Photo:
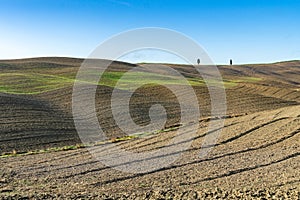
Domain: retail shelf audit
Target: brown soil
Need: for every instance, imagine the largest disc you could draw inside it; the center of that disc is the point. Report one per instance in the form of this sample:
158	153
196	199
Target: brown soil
256	156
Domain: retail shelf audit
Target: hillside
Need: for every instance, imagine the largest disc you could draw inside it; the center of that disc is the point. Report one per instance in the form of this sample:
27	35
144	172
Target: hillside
36	95
256	156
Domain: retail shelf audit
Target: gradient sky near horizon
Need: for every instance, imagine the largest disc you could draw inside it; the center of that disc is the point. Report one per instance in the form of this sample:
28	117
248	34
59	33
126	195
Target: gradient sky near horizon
247	31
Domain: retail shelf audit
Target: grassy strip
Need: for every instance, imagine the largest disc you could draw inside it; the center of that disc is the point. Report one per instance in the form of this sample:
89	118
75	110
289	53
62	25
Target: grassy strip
36	83
14	153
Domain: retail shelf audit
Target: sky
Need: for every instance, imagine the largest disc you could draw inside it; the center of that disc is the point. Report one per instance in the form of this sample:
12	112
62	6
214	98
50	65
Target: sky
247	31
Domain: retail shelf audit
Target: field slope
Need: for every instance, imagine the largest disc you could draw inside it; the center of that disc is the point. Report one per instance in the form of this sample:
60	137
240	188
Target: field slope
256	156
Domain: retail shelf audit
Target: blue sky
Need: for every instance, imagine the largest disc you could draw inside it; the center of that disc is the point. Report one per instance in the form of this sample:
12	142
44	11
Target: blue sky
248	31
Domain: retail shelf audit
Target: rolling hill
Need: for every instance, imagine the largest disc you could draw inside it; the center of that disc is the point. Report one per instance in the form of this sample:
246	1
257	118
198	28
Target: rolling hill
257	154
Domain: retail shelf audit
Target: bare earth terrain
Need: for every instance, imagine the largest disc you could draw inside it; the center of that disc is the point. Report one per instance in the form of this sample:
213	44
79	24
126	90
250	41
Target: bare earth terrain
257	155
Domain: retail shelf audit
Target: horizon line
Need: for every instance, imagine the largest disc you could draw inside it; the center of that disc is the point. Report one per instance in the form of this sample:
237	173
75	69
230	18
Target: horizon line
145	62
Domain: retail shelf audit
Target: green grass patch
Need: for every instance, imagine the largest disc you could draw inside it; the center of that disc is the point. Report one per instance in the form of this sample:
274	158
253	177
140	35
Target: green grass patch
17	83
36	83
247	79
133	79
